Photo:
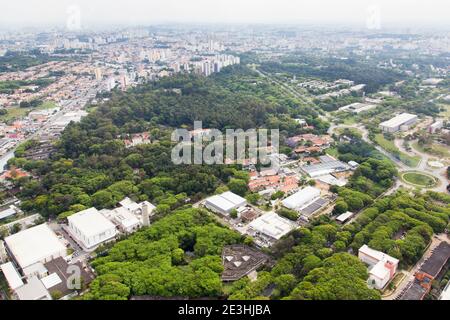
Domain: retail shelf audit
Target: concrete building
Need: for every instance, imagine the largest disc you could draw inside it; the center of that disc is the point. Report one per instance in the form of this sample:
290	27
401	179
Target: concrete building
37	244
33	290
11	275
126	221
327	165
272	226
382	267
225	203
435	126
90	228
401	122
301	198
343	218
357	107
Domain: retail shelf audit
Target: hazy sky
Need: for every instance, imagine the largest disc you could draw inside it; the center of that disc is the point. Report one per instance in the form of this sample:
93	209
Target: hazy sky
15	13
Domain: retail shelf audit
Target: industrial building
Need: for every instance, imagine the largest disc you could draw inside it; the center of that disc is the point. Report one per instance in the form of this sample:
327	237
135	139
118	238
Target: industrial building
90	228
225	203
301	198
358	107
327	165
432	269
402	122
38	244
382	267
272	226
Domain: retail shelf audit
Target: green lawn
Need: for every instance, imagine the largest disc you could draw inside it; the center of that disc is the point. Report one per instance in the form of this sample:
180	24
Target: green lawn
332	152
390	147
17	112
433	149
419	179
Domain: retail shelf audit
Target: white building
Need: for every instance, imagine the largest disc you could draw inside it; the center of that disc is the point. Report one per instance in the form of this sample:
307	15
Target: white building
357	107
91	228
343	218
382	267
124	219
445	294
11	275
37	244
272	226
435	126
33	290
301	198
401	122
225	202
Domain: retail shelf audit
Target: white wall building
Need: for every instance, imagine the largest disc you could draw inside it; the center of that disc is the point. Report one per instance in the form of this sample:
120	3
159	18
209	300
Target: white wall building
225	202
401	122
33	290
11	275
124	219
91	228
37	244
272	225
382	267
301	198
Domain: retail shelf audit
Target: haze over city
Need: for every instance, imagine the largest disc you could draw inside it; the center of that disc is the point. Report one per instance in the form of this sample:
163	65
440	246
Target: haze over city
409	13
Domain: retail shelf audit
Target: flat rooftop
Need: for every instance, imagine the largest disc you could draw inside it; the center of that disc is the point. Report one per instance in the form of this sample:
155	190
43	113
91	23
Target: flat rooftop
34	245
90	222
271	224
434	264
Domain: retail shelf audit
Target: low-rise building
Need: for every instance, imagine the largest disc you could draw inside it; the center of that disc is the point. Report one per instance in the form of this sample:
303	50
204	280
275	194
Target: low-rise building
301	198
33	245
272	226
343	218
90	228
382	267
401	122
225	203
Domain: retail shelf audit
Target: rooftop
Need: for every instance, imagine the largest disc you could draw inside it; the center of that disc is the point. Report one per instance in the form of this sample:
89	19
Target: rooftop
301	197
12	276
398	120
34	245
272	225
240	260
378	255
33	290
90	222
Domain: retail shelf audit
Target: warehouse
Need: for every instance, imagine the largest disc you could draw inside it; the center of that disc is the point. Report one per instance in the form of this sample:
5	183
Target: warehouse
358	107
90	228
401	122
225	203
326	166
37	244
272	226
302	198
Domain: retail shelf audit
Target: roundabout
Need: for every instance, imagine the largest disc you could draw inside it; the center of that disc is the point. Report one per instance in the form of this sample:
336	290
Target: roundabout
419	179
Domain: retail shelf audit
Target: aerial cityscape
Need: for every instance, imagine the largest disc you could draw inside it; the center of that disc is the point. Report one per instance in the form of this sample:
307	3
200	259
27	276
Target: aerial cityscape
181	158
